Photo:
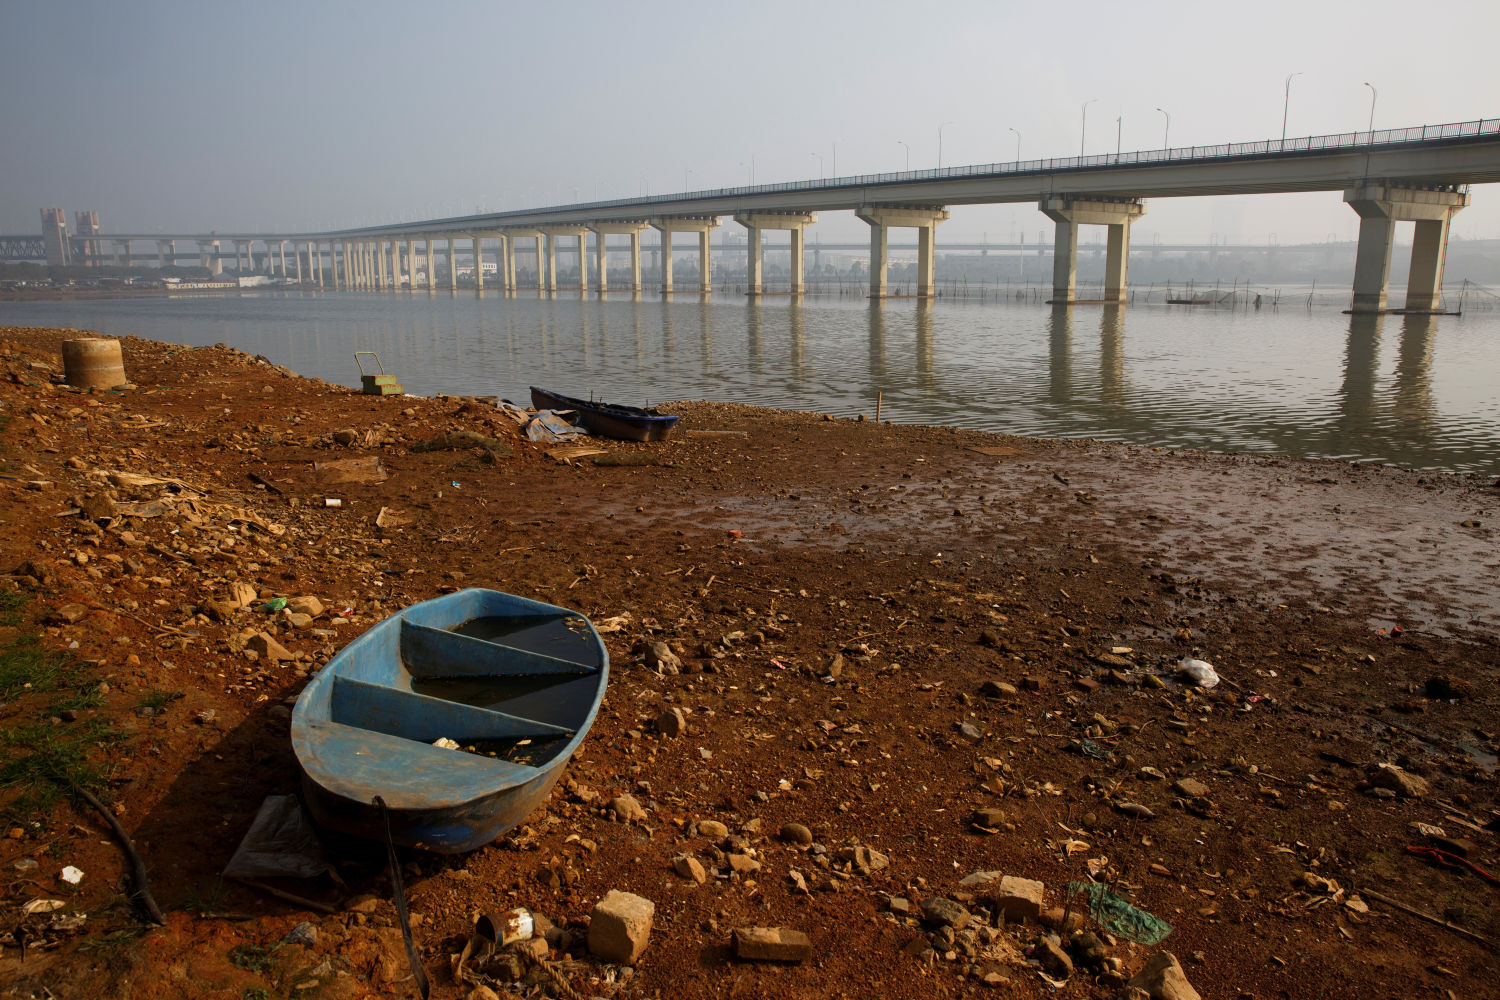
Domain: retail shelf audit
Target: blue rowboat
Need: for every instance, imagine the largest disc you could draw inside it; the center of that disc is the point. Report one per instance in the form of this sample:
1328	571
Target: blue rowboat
515	683
626	423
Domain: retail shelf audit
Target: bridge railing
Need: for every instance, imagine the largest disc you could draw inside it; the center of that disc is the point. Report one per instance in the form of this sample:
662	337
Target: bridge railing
1380	138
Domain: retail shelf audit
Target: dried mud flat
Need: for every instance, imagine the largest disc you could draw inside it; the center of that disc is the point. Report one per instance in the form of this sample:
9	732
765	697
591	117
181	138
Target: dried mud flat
940	652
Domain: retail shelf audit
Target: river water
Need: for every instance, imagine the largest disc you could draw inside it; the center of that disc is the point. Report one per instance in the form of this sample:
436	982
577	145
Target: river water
1419	392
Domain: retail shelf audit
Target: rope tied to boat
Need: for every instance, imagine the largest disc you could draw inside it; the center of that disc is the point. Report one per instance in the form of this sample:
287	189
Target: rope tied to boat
398	894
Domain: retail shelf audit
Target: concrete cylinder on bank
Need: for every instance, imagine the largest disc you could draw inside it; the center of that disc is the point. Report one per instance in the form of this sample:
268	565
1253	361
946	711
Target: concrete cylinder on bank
94	362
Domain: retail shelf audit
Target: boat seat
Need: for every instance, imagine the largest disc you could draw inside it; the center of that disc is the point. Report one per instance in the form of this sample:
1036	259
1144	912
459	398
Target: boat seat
419	717
362	763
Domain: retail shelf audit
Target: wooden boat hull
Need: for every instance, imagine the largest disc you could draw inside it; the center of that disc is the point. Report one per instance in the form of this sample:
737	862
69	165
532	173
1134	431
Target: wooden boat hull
366	724
624	423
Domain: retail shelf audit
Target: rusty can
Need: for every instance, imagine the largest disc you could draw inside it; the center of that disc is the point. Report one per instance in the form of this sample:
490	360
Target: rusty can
93	362
506	928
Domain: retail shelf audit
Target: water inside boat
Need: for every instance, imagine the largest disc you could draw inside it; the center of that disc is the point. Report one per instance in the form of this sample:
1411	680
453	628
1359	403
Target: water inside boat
534	751
564	637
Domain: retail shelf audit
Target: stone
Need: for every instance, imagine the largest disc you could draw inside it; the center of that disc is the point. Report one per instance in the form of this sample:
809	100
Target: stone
68	614
305	605
268	648
1191	787
1163	979
1062	920
898	904
796	833
988	817
304	933
659	657
978	878
945	913
620	927
1086	684
1399	780
1056	961
797	883
834	667
744	864
241	595
771	944
689	868
863	859
970	732
1019	898
345	436
1033	683
712	829
998	689
221	611
627	809
672	722
481	992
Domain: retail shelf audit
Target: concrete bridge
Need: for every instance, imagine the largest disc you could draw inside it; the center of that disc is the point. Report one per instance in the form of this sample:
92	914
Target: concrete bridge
1418	174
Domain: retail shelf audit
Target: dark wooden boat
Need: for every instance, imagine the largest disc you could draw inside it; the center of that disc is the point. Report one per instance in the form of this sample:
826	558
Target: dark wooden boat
627	423
514	682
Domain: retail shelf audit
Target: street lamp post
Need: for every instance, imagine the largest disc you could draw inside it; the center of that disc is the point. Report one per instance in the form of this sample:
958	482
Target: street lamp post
908	152
821	172
940	143
1119	131
1166	129
835	160
1084	129
1372	110
1018	145
1286	102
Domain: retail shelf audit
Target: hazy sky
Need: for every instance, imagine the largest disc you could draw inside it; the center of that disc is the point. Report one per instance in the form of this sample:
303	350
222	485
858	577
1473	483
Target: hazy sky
287	116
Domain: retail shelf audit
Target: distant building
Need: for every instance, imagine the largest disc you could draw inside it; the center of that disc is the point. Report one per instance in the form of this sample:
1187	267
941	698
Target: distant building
55	237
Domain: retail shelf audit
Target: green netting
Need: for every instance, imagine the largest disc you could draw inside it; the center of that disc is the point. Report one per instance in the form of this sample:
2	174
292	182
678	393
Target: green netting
1119	917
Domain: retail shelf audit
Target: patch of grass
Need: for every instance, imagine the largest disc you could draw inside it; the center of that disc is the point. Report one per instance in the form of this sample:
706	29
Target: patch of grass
11	603
205	902
254	958
45	761
112	943
157	699
25	666
256	993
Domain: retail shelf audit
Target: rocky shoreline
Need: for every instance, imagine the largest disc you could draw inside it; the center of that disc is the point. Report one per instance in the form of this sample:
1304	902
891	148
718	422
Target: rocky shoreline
880	697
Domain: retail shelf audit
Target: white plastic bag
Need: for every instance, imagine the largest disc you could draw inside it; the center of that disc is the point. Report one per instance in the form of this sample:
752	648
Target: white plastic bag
1200	672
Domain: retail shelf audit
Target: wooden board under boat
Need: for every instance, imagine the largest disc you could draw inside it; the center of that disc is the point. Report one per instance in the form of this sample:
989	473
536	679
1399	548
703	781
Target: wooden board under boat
625	423
515	682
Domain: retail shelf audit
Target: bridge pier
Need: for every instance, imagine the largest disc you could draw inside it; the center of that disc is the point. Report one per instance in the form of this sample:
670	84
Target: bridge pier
754	222
1380	207
478	262
924	219
702	225
603	230
208	256
553	232
1069	214
427	245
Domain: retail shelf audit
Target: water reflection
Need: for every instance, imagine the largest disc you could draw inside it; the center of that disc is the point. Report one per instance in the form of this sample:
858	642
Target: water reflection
1060	354
1288	381
1356	397
1112	356
1413	403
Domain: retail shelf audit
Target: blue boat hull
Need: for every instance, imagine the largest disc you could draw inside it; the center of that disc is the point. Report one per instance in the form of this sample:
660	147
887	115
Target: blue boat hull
625	423
366	725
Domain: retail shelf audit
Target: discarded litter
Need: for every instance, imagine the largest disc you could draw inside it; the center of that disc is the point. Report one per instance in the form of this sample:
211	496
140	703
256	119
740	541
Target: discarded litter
1200	672
333	502
1119	917
1088	748
445	743
71	875
506	928
280	842
275	604
455	484
42	906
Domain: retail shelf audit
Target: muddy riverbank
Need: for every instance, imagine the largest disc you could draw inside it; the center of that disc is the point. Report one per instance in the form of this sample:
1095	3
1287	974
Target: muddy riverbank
956	651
